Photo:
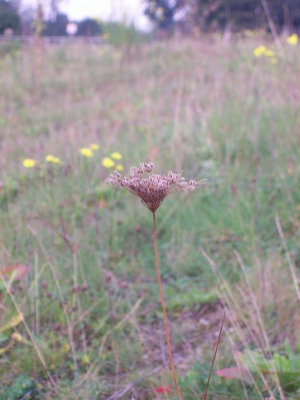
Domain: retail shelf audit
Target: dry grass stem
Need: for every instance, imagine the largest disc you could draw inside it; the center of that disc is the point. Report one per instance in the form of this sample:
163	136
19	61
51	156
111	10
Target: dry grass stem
204	397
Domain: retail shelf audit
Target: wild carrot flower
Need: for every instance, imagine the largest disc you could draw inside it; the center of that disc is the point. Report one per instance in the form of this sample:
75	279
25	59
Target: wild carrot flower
94	146
29	163
86	152
116	156
153	189
293	39
108	162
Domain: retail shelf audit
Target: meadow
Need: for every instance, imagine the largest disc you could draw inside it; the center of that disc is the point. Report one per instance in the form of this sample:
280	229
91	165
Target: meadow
80	316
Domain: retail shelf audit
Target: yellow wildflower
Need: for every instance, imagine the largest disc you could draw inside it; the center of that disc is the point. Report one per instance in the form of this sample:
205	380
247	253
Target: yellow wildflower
49	158
94	146
108	162
116	156
274	60
53	159
259	51
56	160
66	347
29	163
119	167
17	337
293	39
85	359
86	152
269	53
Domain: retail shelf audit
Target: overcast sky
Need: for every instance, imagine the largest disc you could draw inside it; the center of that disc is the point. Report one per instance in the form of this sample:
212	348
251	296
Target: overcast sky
103	9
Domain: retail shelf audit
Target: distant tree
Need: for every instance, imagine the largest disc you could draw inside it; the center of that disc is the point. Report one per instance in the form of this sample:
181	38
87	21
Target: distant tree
236	15
285	13
162	12
247	14
28	16
56	27
239	14
16	4
89	27
9	17
54	8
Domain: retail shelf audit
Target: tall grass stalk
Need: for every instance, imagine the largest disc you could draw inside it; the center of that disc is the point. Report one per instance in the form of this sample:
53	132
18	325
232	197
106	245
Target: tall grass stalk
36	293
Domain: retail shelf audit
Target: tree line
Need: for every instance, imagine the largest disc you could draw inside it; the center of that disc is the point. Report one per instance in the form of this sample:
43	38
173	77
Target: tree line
11	18
167	15
212	15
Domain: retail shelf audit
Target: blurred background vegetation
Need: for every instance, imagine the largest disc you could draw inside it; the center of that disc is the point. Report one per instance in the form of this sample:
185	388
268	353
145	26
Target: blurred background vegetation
189	17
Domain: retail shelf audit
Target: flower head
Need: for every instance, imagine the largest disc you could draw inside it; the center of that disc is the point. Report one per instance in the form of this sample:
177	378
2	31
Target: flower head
269	53
116	156
108	162
94	146
259	51
29	163
119	167
293	39
54	160
49	158
153	189
86	152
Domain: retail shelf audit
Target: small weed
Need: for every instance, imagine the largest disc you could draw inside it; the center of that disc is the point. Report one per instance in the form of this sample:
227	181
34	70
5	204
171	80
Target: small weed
22	387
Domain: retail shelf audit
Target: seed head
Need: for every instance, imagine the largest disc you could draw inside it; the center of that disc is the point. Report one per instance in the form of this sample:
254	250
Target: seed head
153	189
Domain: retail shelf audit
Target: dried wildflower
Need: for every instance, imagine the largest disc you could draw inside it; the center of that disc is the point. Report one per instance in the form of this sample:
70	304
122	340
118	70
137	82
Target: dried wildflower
153	189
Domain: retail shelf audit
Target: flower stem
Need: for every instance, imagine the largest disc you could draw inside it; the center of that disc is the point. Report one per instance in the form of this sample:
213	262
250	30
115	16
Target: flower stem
164	308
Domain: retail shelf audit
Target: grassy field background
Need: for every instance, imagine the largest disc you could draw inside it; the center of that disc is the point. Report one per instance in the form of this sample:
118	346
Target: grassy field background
84	319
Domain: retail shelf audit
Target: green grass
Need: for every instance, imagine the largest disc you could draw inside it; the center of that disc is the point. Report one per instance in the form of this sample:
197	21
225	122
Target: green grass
90	299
